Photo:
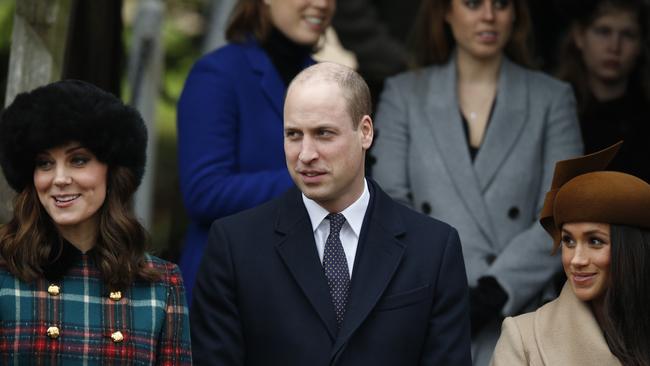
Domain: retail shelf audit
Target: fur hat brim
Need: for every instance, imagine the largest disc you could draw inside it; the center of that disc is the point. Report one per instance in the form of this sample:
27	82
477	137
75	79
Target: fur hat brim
67	111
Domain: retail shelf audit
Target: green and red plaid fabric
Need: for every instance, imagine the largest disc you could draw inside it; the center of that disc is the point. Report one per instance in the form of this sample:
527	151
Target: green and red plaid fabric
151	317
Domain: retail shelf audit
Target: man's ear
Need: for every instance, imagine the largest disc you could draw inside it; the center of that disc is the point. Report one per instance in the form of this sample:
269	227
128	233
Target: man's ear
366	130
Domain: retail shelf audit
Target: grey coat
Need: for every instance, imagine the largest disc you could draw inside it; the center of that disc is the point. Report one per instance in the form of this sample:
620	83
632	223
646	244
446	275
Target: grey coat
423	160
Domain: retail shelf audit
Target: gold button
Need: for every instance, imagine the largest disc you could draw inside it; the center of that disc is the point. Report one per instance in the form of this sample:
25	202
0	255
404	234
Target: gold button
115	296
117	337
53	290
53	332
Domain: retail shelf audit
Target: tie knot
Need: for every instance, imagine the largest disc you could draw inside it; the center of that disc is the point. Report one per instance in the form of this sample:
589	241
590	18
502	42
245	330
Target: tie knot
336	222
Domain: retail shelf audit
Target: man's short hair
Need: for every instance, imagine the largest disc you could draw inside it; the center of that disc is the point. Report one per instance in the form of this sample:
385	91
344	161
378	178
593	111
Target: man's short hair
355	90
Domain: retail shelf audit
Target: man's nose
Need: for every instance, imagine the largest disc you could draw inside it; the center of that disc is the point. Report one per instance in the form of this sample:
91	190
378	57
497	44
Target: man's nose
308	151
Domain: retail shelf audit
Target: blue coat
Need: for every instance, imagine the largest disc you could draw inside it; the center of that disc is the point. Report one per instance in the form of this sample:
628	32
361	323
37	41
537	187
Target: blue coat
262	298
230	140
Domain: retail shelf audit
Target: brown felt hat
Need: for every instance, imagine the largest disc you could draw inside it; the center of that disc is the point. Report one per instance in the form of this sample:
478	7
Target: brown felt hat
582	191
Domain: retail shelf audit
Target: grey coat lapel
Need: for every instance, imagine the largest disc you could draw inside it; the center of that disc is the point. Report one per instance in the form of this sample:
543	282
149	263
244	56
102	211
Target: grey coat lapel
506	124
445	125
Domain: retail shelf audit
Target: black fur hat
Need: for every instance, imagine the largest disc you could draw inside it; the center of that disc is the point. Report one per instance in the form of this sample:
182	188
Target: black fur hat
66	111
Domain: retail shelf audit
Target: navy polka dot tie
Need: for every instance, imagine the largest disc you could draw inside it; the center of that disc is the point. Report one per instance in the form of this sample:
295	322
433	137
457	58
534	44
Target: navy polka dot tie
336	267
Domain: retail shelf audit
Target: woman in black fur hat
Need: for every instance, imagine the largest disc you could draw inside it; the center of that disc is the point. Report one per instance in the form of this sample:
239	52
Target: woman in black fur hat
75	281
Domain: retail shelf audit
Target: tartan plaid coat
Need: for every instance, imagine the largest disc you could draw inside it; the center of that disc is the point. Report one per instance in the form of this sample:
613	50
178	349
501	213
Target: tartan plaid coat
68	318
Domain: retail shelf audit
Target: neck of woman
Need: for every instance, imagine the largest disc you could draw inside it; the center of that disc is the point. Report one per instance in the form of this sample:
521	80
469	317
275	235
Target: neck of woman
478	71
83	237
604	91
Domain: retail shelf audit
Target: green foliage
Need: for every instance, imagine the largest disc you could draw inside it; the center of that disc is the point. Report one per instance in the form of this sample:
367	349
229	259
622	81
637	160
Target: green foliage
182	49
6	24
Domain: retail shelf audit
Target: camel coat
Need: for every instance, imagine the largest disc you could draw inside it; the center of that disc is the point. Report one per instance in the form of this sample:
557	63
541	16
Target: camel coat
562	332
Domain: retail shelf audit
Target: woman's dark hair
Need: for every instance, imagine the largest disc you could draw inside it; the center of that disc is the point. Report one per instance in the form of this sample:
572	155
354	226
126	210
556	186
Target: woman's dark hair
572	67
433	41
248	17
30	241
627	319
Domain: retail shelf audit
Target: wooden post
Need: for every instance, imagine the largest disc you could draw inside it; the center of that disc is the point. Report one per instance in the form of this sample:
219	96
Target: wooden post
37	53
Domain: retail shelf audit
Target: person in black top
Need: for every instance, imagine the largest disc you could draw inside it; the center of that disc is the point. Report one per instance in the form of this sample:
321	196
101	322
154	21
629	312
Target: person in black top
605	58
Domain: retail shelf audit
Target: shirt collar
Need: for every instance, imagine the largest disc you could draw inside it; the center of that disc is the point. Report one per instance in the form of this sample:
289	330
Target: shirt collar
353	214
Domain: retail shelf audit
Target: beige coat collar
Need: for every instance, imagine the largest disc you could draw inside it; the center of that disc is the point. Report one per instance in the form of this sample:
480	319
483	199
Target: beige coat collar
567	333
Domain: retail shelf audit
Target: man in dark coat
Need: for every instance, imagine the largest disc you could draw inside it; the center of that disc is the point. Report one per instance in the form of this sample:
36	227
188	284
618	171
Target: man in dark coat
334	272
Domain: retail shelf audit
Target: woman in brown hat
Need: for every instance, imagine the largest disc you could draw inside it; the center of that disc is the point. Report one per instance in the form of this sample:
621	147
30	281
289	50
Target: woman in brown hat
601	221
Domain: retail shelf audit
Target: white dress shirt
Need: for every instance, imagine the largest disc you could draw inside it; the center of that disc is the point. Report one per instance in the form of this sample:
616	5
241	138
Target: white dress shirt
350	231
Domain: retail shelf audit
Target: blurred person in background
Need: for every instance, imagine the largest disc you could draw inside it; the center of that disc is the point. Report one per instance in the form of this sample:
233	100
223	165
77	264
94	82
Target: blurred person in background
76	286
606	58
470	138
230	139
378	33
601	221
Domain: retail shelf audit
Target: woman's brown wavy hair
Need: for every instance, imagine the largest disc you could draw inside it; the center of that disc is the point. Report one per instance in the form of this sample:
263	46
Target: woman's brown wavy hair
433	41
30	241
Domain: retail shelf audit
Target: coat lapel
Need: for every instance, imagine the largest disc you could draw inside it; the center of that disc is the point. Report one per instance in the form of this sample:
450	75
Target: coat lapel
506	124
379	254
270	81
445	126
297	248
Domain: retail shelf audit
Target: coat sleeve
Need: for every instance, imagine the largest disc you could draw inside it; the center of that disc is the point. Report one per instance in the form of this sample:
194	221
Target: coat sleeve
208	127
217	335
509	350
526	266
448	340
392	145
174	342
